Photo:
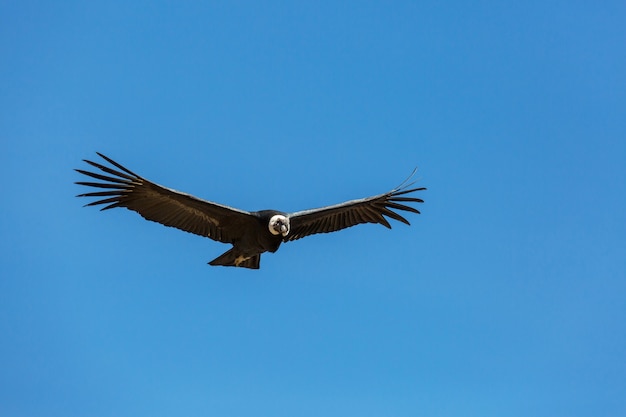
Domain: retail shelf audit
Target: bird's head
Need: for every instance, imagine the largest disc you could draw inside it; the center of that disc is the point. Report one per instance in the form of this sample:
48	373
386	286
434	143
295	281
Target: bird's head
279	225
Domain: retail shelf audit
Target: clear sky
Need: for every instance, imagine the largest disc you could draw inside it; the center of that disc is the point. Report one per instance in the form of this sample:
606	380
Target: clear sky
505	297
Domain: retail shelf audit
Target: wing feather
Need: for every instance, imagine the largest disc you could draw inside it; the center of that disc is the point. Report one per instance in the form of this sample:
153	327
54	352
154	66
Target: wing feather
101	177
169	207
374	209
393	205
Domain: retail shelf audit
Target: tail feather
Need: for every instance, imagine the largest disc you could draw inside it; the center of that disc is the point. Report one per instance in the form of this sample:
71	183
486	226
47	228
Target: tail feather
236	258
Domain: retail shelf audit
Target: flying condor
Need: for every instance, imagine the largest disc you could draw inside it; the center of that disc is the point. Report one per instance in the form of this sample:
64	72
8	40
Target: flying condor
250	233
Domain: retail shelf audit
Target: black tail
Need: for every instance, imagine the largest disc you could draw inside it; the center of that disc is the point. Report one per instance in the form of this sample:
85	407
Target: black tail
235	258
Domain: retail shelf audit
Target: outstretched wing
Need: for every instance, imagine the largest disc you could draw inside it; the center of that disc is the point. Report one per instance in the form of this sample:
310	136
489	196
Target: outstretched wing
124	188
366	210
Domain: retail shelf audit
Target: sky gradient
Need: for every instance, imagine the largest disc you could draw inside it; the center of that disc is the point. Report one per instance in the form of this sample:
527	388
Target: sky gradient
505	297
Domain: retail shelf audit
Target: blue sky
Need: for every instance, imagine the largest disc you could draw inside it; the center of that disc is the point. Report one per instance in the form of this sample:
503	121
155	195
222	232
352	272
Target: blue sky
504	298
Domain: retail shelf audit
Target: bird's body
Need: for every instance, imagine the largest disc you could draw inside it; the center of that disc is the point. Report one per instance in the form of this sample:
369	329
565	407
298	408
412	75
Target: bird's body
250	233
255	238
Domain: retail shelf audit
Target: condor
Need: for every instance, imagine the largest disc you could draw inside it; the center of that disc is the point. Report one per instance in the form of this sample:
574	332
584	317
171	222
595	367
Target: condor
250	233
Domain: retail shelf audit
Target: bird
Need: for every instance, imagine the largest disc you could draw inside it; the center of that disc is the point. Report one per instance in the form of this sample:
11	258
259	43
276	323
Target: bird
251	233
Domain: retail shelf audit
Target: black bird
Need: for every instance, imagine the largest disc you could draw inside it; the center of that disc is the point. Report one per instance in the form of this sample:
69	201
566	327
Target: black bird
250	233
